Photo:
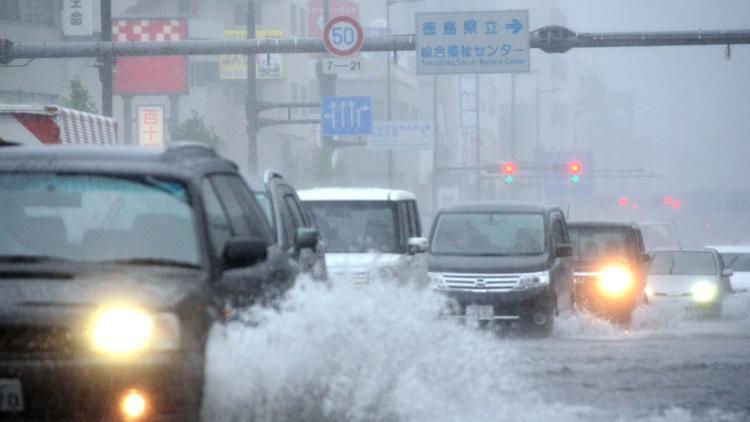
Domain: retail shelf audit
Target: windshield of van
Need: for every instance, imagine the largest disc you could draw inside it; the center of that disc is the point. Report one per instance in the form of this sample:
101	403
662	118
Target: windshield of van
357	226
96	218
683	263
489	234
594	243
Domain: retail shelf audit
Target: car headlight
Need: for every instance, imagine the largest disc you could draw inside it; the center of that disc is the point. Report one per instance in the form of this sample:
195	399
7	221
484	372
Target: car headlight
535	279
615	281
385	274
437	281
122	331
704	291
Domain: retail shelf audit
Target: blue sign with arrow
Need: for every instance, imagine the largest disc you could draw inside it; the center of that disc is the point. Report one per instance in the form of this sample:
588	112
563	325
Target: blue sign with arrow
514	26
346	115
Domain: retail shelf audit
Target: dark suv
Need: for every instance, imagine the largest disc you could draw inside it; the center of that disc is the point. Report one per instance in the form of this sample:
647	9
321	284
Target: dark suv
114	263
502	262
610	268
294	228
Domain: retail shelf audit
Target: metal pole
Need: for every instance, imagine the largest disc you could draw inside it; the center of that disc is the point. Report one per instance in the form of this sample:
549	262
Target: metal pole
435	146
513	116
538	143
127	120
327	88
389	111
251	102
105	70
477	154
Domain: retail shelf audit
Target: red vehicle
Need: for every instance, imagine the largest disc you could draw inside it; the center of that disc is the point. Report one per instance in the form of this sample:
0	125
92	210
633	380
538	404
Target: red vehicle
51	124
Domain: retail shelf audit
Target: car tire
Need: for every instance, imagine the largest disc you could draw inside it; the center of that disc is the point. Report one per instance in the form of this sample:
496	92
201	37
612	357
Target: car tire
537	330
622	318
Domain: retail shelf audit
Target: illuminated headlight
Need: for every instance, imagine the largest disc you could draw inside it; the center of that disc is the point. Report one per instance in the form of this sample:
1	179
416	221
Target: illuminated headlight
649	291
122	331
615	281
531	280
437	281
384	274
704	291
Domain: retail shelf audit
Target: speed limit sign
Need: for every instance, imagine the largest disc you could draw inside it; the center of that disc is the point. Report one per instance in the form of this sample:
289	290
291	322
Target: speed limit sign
343	36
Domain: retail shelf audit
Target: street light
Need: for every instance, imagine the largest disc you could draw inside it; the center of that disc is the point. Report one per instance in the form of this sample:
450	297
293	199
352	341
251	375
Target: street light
389	112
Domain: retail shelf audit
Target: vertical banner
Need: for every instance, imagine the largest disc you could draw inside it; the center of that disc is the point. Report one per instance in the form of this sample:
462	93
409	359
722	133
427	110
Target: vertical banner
151	126
77	17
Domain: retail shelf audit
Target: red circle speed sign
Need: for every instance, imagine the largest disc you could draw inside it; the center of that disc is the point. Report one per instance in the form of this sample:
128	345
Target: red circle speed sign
343	36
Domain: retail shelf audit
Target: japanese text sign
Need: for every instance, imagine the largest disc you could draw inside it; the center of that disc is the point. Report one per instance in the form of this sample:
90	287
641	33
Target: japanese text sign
472	42
151	126
77	17
267	66
400	136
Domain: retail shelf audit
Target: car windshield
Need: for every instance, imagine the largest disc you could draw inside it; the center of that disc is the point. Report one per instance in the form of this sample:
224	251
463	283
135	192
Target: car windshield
683	263
737	261
489	234
357	226
96	218
593	243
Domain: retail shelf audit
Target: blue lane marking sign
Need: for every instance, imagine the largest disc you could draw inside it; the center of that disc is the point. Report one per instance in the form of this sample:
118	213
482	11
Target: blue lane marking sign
346	115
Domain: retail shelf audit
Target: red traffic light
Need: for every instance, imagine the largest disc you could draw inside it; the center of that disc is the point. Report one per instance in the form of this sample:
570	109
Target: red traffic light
676	204
574	168
623	201
668	201
508	168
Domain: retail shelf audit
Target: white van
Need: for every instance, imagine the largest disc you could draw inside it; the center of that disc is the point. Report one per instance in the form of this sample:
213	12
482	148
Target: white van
370	234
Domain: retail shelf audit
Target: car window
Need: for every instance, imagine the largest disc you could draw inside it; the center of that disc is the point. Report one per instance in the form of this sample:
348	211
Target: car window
234	210
592	243
97	217
218	223
737	261
489	234
414	227
358	226
257	223
683	263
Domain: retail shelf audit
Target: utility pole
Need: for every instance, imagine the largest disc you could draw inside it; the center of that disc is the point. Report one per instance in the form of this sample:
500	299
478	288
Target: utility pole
105	66
251	102
327	89
435	147
388	100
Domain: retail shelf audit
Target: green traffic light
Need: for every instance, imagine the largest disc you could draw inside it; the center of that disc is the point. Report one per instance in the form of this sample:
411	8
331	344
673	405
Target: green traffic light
508	179
575	178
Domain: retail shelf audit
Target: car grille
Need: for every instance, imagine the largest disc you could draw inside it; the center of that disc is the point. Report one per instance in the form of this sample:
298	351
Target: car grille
481	282
30	340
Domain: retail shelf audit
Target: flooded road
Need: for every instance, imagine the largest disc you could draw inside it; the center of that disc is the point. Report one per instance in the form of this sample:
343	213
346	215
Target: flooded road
377	353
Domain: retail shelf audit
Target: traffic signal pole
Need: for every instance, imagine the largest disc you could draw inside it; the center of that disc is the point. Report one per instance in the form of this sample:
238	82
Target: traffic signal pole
105	60
251	101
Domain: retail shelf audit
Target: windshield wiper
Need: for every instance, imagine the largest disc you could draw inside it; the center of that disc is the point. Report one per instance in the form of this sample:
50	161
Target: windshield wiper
154	261
31	259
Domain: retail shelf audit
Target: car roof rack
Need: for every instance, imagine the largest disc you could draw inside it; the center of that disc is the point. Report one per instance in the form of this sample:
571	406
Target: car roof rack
272	174
182	145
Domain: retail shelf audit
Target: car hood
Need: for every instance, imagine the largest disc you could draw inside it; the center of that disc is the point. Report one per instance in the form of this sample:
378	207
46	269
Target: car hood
487	264
28	290
676	285
355	262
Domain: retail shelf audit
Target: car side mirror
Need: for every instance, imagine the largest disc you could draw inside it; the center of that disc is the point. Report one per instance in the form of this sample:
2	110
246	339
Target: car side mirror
646	258
564	250
417	245
243	252
727	272
306	238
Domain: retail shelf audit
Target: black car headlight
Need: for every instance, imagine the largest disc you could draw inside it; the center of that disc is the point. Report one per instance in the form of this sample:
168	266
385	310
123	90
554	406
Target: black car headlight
121	331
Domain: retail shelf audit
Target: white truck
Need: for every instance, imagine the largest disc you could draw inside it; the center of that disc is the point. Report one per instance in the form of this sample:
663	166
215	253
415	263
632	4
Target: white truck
51	124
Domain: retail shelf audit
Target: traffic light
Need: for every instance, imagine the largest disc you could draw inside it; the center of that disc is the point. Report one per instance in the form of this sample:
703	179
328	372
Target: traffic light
574	170
671	202
623	201
508	169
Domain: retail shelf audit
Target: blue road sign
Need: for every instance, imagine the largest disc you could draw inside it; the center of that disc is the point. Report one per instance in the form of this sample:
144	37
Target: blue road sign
346	115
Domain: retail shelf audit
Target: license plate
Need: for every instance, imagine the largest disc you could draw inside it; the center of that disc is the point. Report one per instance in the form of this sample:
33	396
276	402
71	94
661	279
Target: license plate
481	312
11	396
